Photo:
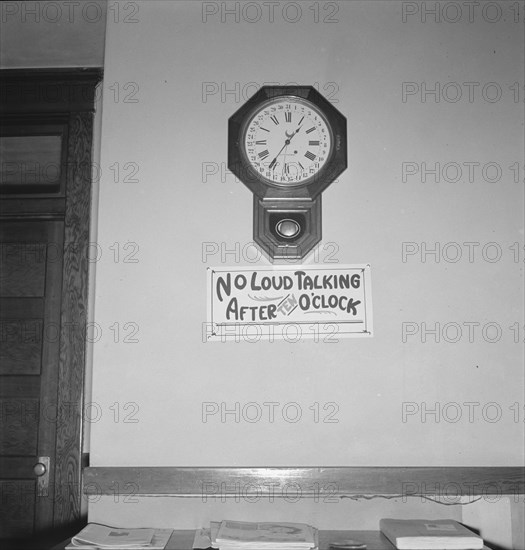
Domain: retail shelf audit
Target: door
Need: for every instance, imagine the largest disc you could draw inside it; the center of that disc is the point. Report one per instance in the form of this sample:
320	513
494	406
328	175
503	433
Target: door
46	128
30	300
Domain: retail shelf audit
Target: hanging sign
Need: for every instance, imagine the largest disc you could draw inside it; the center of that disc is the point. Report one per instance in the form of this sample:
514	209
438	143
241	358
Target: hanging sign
324	303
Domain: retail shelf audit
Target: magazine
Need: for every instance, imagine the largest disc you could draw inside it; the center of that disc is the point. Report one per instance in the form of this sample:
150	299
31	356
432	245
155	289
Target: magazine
268	535
101	537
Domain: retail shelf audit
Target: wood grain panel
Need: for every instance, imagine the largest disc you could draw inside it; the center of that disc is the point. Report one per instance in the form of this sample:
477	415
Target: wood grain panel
74	311
43	208
306	482
14	308
21	346
28	386
18	467
23	268
19	420
17	508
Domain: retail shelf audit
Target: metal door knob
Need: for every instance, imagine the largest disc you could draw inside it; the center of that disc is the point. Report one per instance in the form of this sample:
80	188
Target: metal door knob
39	469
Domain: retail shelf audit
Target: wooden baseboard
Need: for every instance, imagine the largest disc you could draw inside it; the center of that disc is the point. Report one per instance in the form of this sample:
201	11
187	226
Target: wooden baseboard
307	482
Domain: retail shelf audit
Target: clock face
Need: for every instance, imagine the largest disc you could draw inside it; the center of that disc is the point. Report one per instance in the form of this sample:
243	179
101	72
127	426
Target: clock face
287	141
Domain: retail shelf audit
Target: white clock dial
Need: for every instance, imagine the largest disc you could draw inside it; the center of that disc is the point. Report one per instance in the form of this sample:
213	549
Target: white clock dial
287	141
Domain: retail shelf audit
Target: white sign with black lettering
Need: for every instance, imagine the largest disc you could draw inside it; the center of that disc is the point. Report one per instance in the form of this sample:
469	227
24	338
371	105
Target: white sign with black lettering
315	302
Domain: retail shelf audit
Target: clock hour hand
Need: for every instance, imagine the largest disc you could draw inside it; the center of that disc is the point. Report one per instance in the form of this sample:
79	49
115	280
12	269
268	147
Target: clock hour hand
286	143
290	136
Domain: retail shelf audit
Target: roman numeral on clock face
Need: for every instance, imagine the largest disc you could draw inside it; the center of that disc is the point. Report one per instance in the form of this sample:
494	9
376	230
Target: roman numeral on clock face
309	155
263	154
310	130
263	142
309	143
288	116
274	119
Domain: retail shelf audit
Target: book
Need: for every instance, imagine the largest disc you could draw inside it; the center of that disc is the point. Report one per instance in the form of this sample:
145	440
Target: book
427	534
247	535
206	537
102	537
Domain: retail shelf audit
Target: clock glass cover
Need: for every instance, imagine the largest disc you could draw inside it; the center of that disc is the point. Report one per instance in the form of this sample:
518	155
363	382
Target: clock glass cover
287	141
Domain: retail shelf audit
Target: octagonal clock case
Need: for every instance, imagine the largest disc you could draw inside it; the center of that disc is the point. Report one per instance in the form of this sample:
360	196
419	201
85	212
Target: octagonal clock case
287	144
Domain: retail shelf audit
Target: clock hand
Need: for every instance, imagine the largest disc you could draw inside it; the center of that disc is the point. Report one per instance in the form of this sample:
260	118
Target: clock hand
284	170
286	143
293	133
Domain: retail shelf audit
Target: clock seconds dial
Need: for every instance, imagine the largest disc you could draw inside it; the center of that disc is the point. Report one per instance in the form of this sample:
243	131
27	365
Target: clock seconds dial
287	141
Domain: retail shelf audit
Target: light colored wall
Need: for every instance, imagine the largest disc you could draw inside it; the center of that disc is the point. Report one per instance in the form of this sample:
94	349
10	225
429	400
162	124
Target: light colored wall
52	34
174	132
171	131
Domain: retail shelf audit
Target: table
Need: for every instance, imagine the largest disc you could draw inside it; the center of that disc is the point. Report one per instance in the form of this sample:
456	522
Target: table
182	539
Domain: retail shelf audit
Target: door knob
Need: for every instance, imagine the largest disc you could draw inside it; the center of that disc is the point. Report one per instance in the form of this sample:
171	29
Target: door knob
39	469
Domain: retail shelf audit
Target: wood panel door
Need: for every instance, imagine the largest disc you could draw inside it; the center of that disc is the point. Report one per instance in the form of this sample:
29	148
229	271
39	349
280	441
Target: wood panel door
30	303
46	128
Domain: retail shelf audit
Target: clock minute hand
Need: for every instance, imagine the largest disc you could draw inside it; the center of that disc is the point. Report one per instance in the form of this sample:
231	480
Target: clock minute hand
286	143
272	164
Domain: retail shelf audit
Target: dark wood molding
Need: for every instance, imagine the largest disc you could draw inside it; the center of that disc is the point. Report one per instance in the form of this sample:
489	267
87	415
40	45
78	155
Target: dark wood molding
306	482
48	90
68	466
41	209
38	97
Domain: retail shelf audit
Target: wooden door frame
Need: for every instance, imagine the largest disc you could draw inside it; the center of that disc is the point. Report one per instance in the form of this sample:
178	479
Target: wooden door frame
39	94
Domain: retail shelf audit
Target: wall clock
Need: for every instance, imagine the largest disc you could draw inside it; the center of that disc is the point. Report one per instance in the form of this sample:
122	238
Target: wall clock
287	144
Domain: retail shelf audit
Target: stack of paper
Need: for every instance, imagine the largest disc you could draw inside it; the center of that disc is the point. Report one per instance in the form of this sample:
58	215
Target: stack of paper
246	535
426	534
101	537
